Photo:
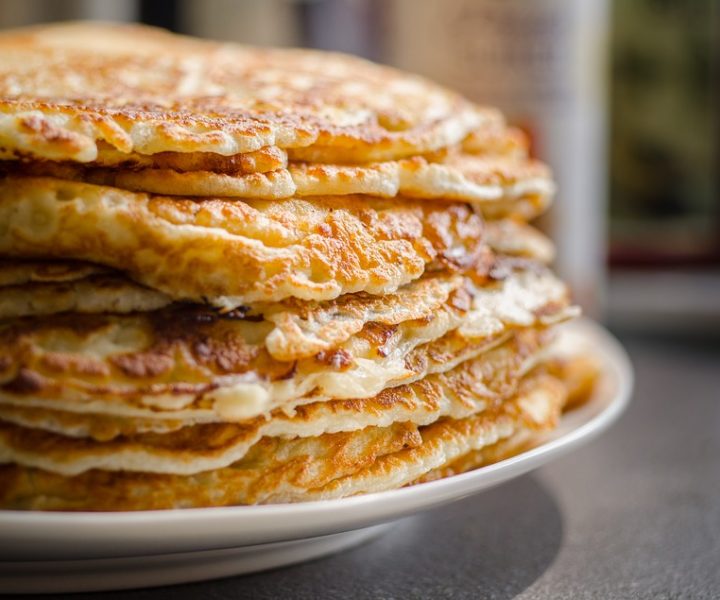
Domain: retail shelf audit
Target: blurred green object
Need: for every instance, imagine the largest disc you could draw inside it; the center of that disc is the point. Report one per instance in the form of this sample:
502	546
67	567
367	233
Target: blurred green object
665	148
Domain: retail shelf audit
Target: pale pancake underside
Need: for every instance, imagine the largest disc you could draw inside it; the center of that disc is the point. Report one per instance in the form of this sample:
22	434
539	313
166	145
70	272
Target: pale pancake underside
277	470
145	91
232	252
182	364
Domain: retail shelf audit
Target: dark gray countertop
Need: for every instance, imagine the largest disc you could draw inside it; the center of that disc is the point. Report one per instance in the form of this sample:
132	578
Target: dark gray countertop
636	514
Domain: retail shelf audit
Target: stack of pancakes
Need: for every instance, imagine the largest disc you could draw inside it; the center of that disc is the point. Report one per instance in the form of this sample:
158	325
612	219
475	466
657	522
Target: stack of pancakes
235	276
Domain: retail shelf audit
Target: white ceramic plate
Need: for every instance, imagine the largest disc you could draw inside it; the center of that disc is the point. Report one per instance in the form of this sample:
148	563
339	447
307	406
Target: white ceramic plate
62	552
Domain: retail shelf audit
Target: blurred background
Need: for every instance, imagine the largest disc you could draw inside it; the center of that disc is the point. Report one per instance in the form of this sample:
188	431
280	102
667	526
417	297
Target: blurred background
619	96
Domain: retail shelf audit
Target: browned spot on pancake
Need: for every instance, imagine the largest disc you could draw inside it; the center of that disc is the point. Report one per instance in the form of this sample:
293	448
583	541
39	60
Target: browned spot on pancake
229	354
324	229
75	363
379	336
143	364
25	382
36	124
338	359
461	299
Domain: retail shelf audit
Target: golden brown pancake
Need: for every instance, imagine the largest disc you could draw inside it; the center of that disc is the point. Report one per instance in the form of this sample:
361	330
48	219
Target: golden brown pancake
463	391
111	293
578	374
233	275
264	160
19	272
183	363
496	186
30	287
276	470
536	407
273	467
146	91
232	252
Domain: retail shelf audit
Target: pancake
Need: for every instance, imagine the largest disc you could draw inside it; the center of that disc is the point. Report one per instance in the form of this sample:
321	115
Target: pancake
273	466
184	363
537	407
463	391
50	287
278	470
19	272
505	448
485	377
301	328
304	328
145	91
93	294
496	186
579	374
263	160
229	253
514	238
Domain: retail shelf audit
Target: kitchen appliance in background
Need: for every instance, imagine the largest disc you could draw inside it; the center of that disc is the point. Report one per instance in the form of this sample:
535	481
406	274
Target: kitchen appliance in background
544	63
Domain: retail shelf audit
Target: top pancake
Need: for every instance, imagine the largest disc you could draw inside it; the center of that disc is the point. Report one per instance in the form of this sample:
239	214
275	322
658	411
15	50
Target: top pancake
146	91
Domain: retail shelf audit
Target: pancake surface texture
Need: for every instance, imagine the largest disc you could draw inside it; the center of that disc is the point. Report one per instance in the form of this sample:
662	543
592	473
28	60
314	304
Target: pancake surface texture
277	470
233	275
235	252
190	364
145	91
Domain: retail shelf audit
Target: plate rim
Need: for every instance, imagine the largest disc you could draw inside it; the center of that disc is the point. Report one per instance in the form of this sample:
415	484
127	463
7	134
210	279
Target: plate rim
343	514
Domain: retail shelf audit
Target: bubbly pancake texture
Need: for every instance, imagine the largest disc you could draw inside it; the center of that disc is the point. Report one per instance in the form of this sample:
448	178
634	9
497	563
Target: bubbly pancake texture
189	364
231	252
273	468
277	470
463	391
537	407
578	374
48	287
146	91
